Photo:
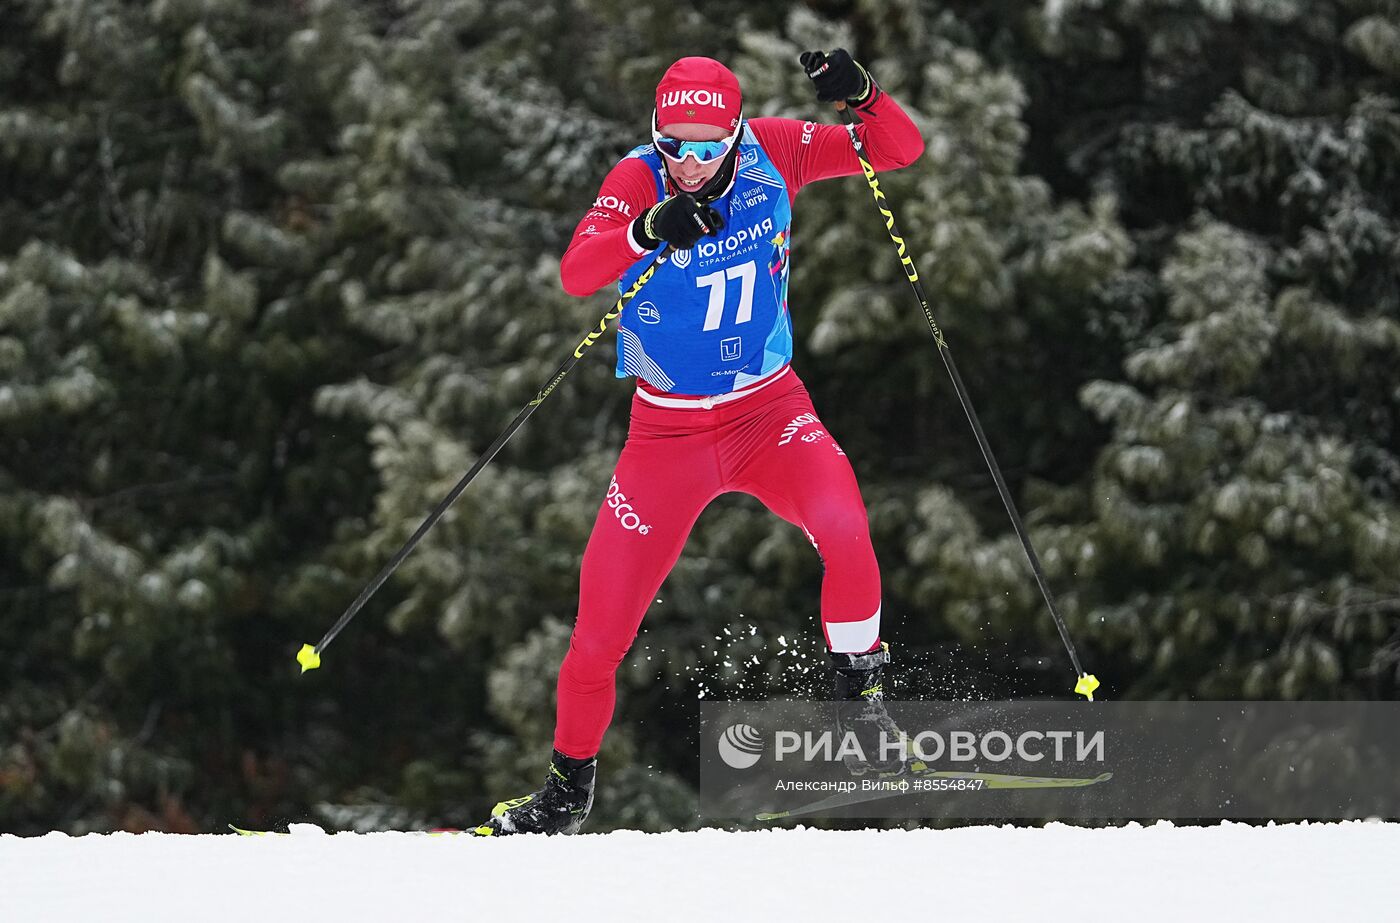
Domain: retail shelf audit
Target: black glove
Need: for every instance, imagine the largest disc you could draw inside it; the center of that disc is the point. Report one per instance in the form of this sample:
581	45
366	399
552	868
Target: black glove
837	77
679	221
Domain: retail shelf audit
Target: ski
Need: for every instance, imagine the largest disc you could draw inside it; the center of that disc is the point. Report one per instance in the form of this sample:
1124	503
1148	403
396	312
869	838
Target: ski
991	780
444	831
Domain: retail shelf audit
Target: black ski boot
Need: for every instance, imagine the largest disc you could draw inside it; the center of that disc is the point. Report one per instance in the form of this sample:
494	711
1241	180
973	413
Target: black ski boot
560	807
861	711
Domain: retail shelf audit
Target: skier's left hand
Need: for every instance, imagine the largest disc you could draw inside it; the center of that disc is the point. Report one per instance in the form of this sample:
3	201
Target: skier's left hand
837	76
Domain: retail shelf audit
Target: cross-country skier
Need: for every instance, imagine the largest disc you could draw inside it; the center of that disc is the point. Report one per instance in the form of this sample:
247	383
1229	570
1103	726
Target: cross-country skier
718	407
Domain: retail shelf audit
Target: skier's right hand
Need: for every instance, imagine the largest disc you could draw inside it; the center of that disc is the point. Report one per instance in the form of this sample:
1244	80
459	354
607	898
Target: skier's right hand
679	221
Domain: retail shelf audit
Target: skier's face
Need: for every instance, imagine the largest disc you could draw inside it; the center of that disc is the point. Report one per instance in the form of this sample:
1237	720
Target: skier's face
688	174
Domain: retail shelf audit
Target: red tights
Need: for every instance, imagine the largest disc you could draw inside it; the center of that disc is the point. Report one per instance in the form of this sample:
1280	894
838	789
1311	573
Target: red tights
770	444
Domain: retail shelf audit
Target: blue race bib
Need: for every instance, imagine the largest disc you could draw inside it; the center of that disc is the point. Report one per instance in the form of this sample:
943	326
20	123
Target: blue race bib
714	318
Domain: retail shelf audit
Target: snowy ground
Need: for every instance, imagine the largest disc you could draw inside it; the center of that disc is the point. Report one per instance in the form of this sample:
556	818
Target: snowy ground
1230	872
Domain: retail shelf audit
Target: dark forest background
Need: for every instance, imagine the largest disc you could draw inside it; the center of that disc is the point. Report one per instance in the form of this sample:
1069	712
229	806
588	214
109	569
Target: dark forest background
272	274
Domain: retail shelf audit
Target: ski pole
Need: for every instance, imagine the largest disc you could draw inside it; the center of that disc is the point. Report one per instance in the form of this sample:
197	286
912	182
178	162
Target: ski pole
310	655
1086	682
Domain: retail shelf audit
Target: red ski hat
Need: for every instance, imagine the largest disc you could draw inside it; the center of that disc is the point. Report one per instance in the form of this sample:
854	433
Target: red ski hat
698	90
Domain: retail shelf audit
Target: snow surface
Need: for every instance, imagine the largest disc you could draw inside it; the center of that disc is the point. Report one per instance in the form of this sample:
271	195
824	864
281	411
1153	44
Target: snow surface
1230	872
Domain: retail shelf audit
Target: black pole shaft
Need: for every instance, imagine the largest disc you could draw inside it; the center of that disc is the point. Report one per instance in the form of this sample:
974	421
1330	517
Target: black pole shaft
490	453
912	274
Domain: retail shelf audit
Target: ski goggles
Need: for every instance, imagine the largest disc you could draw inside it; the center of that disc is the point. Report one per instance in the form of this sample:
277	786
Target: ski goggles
703	151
